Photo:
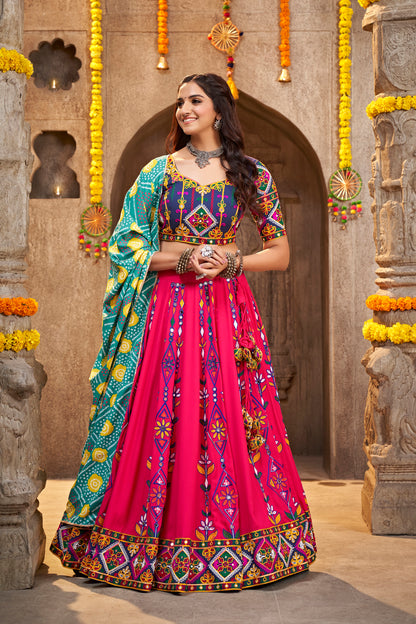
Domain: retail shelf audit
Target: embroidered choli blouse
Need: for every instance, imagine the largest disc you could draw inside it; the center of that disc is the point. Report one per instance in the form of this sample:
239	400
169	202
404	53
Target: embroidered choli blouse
210	214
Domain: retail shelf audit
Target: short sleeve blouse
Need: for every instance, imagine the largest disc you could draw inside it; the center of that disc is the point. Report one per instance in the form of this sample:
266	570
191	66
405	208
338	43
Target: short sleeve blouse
210	214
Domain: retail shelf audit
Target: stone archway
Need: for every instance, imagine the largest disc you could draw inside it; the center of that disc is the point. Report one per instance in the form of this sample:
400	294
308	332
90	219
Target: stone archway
292	304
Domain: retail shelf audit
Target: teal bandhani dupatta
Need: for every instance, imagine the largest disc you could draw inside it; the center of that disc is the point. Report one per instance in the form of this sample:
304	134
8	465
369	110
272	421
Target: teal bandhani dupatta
126	304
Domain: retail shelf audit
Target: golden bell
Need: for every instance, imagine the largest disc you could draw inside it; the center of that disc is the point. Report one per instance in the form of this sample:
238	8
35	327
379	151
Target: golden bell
163	64
284	75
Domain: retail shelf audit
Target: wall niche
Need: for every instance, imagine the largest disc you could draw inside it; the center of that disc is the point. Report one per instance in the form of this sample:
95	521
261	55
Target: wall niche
55	65
54	179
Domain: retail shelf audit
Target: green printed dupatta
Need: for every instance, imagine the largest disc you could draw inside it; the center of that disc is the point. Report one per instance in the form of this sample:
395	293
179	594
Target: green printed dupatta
125	308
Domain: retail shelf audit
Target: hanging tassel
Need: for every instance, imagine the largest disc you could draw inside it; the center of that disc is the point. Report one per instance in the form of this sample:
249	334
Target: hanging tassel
233	88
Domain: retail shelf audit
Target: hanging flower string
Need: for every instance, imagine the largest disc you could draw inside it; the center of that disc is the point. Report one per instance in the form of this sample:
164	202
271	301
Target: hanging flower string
284	47
12	60
19	340
344	52
96	219
225	37
18	306
162	34
345	184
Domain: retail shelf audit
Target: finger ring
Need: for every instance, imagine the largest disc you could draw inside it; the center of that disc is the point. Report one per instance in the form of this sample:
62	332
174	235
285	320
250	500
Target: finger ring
201	276
207	251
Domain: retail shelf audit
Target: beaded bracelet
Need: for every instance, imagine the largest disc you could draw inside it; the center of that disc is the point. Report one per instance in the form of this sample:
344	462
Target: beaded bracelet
182	265
240	266
231	269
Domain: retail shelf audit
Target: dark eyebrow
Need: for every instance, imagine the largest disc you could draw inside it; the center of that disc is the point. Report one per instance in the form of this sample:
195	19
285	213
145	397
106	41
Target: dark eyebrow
191	96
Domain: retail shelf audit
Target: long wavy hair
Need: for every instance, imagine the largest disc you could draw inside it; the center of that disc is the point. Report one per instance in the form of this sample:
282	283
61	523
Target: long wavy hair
241	171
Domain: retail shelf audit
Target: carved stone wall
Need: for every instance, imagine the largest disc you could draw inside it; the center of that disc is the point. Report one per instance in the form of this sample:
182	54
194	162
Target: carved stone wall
22	539
389	492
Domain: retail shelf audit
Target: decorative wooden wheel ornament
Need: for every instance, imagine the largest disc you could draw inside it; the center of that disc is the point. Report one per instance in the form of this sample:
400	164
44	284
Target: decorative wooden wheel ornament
224	36
96	220
345	184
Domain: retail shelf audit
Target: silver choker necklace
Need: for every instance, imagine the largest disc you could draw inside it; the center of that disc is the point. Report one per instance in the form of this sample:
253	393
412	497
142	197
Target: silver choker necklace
202	158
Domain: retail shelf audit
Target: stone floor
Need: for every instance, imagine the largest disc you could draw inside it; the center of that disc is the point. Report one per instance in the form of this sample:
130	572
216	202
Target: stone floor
358	578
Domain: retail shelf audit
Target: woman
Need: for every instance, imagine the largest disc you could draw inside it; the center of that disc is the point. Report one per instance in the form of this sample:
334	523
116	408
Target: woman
187	481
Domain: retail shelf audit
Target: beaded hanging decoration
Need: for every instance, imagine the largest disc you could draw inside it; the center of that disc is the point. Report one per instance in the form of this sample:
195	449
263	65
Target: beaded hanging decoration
225	37
284	47
345	183
96	219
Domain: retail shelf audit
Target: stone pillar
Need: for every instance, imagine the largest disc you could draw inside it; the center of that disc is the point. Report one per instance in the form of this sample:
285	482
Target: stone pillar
389	492
22	540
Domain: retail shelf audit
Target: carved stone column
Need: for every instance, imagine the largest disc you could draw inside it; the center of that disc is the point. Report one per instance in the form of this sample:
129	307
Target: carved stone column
22	540
389	492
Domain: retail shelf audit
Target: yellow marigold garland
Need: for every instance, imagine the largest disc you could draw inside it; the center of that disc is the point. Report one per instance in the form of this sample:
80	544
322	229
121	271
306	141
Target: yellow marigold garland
96	108
18	306
344	51
383	303
96	149
398	333
12	60
345	183
162	34
389	104
18	340
366	3
284	47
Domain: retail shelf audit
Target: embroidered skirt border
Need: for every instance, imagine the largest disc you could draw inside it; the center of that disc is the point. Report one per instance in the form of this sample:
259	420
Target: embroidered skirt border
185	565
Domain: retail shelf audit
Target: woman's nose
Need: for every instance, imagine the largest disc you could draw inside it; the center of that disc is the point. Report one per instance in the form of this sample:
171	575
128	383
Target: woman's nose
186	106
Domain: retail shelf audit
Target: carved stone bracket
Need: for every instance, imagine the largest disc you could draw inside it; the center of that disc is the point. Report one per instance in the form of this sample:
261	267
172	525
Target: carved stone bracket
389	505
394	45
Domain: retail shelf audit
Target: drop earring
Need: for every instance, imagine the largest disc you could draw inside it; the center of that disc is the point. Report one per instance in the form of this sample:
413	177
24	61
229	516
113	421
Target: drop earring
217	124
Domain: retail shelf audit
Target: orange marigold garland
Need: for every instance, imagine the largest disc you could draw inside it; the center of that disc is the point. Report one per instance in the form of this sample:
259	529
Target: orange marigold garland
18	306
96	219
225	37
162	34
284	47
383	303
345	183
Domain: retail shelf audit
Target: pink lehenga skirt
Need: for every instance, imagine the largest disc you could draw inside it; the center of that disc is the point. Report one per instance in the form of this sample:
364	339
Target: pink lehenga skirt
204	494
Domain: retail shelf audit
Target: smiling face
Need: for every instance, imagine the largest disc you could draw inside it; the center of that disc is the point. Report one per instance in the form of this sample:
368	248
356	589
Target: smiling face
195	111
